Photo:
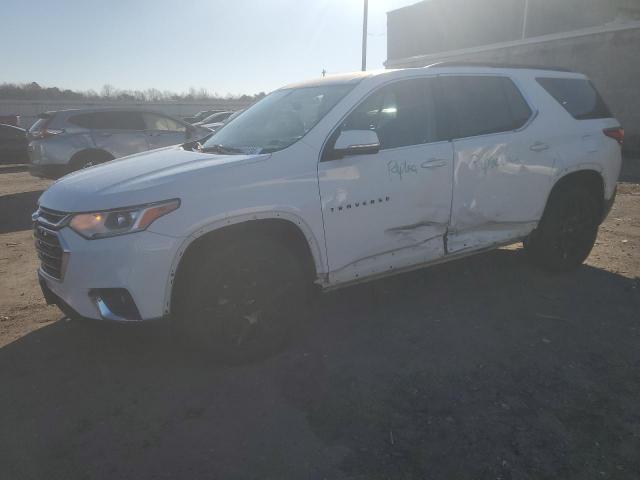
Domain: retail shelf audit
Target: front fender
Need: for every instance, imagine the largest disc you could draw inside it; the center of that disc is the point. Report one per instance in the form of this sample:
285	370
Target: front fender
234	219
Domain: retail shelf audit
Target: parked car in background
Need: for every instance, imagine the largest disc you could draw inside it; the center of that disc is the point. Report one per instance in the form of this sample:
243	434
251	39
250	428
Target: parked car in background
64	141
10	120
332	182
13	144
215	118
216	125
201	115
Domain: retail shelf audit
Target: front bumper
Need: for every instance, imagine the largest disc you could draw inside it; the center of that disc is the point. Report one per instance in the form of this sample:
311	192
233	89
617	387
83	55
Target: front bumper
138	265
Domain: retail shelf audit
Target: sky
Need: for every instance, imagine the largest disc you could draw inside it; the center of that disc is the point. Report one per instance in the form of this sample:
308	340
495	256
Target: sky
227	47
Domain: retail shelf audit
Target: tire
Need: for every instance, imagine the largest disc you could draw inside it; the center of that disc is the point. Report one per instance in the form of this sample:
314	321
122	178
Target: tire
242	301
568	230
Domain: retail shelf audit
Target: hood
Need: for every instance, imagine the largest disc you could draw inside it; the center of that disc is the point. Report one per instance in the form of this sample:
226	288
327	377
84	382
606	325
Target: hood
146	177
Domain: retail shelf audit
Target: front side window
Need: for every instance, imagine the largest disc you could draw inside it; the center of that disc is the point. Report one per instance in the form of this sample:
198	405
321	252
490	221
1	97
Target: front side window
158	122
479	105
399	114
277	121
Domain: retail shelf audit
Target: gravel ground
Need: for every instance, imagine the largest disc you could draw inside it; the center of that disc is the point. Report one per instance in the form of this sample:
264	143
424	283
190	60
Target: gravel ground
481	368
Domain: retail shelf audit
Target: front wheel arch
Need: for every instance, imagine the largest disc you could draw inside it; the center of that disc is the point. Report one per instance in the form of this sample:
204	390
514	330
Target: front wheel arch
275	229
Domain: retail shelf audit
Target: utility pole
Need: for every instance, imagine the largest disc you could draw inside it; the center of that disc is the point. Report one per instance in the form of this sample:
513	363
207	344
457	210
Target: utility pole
525	14
364	35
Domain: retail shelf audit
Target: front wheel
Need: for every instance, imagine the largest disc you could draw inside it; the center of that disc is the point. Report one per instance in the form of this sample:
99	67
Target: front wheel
567	232
242	301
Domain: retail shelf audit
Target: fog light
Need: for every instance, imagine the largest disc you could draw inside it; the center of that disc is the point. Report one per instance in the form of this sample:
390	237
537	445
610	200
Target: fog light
115	304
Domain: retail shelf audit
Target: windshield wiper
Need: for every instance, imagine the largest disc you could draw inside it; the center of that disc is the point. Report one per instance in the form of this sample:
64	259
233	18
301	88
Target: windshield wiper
218	148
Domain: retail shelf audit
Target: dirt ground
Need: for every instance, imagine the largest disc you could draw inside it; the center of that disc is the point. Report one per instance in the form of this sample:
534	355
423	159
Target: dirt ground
481	368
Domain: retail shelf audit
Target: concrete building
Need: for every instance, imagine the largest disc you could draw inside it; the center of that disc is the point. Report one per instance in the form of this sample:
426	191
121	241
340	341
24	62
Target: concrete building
600	38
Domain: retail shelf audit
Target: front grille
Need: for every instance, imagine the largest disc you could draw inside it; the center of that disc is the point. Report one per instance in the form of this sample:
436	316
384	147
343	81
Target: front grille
53	217
50	251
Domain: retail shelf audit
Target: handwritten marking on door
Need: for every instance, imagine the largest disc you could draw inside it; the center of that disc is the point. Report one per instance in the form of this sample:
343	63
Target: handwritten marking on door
400	170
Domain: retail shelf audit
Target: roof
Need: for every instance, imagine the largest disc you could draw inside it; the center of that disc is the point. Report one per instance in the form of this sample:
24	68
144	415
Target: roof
499	65
337	79
448	67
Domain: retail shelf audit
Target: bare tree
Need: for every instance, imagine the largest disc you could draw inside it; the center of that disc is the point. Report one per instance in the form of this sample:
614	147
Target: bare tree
108	90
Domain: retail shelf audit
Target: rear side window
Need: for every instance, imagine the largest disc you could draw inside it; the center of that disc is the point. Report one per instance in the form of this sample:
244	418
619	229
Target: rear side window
578	96
109	121
479	105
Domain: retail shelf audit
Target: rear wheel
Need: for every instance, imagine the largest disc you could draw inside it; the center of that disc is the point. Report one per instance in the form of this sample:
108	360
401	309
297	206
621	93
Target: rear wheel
568	230
243	301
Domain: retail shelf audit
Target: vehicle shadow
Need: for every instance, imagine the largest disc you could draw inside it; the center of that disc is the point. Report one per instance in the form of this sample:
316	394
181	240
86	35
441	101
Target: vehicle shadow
481	368
16	210
13	168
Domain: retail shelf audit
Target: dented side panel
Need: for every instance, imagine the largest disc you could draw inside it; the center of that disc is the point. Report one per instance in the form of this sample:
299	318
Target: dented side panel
385	210
501	180
499	187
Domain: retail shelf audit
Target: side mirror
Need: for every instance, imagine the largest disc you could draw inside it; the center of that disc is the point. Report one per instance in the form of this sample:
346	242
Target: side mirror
356	142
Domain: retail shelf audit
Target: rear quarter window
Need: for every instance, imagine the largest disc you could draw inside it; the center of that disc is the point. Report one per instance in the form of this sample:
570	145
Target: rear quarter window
578	97
472	105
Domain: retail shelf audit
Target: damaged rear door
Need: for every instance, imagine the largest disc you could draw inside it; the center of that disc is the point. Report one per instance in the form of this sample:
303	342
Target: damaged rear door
503	163
388	210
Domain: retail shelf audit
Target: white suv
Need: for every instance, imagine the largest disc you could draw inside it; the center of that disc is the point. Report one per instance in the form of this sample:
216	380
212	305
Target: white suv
332	181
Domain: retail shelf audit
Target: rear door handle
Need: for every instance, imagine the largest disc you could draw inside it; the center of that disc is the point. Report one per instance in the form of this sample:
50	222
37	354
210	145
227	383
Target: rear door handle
539	147
433	163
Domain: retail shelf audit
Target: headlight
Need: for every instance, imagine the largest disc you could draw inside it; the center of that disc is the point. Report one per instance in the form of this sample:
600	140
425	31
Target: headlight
120	221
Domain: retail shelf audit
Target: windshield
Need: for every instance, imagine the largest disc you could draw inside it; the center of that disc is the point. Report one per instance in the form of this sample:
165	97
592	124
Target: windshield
277	121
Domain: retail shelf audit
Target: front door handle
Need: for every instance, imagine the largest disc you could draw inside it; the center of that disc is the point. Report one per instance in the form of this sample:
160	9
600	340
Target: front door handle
539	147
433	163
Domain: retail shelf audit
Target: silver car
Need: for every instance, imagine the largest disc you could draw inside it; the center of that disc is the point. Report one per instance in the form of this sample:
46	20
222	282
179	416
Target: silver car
67	140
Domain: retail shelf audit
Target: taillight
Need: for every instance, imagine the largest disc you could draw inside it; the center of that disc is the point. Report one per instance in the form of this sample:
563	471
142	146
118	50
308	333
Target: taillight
44	133
617	133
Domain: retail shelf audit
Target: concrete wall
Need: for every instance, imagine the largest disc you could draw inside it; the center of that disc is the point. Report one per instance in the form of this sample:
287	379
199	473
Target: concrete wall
29	109
435	26
610	58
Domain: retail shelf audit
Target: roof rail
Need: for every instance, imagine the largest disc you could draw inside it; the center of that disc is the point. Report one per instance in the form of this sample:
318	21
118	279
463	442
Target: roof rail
498	65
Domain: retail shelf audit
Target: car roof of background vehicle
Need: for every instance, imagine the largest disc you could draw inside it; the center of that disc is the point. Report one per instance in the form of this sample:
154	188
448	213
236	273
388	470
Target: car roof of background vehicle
101	109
